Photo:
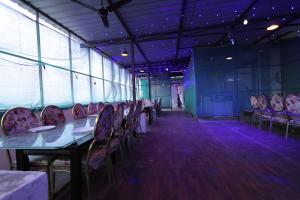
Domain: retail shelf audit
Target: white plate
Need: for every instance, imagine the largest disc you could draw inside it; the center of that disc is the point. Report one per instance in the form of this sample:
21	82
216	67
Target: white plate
83	129
42	128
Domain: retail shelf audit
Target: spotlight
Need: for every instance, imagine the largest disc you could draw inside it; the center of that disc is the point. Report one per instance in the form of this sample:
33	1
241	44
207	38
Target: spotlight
167	69
272	27
245	22
229	58
124	52
142	71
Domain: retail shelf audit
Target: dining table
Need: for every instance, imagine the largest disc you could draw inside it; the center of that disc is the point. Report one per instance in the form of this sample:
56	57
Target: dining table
65	140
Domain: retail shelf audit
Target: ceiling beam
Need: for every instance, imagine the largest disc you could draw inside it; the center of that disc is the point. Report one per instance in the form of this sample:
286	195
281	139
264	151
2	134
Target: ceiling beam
180	27
279	37
124	24
282	25
162	63
237	21
172	34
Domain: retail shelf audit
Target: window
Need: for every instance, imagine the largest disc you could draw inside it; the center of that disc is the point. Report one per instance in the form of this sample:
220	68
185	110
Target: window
122	76
19	84
96	64
81	86
55	52
108	89
80	58
116	73
57	86
107	69
97	90
19	36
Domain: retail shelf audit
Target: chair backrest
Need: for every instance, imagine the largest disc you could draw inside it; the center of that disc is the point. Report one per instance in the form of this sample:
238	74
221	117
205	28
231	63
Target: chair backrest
130	115
262	102
292	104
137	111
254	102
118	117
52	115
277	103
104	123
100	106
79	111
92	108
18	120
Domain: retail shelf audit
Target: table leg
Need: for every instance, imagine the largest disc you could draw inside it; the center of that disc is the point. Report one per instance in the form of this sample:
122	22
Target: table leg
75	173
22	160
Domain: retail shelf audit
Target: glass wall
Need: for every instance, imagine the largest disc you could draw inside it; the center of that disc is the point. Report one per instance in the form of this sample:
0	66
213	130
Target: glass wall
44	64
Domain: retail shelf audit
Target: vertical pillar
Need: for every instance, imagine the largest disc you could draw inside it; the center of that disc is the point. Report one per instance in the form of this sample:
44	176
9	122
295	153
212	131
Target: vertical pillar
40	58
71	67
133	71
149	82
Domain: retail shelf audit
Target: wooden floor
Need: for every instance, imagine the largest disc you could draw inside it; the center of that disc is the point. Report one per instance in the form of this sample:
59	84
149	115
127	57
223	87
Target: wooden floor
185	158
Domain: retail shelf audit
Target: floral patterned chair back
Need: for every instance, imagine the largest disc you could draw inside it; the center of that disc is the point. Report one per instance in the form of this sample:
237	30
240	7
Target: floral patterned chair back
130	115
292	104
52	115
92	108
79	111
118	118
138	109
104	123
18	120
262	102
100	106
254	102
277	103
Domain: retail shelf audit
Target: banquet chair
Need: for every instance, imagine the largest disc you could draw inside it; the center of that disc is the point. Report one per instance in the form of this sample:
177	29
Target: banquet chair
92	109
99	152
118	128
292	104
100	106
254	106
128	127
278	110
52	115
265	113
136	117
79	111
18	121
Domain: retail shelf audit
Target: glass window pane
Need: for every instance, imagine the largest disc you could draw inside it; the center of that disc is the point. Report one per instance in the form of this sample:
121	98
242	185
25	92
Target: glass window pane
57	86
123	93
122	76
128	93
117	92
80	57
116	73
81	86
97	90
19	84
19	36
54	47
107	69
108	89
96	64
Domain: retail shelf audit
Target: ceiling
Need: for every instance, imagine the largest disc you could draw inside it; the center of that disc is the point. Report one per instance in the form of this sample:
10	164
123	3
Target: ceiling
165	31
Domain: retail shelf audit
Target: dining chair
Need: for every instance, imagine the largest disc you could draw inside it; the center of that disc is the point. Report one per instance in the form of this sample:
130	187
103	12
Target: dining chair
279	114
118	128
128	128
265	113
92	109
52	115
100	106
136	117
292	104
79	111
18	121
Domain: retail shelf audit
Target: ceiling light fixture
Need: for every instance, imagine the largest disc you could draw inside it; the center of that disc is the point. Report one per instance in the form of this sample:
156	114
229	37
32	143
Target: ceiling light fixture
142	71
245	22
124	53
272	27
229	58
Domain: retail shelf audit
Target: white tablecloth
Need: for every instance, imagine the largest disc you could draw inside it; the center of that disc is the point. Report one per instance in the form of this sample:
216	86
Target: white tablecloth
19	185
